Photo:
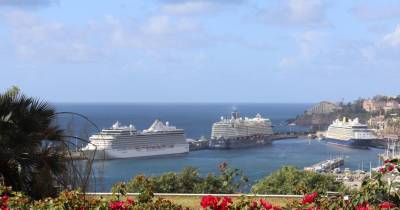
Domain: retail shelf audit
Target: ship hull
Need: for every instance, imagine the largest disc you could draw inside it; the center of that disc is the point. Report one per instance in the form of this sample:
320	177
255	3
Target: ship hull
133	153
239	142
351	143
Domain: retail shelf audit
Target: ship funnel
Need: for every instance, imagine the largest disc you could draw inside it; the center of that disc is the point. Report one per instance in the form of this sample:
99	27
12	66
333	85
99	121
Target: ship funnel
235	115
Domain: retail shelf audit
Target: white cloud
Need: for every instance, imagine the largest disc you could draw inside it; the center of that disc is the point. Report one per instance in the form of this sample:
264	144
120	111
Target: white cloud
310	45
392	39
385	49
38	39
374	12
49	40
296	13
158	32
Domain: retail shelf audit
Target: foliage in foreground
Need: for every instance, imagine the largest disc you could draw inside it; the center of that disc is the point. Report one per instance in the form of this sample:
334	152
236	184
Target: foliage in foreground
375	194
291	180
75	200
230	180
31	145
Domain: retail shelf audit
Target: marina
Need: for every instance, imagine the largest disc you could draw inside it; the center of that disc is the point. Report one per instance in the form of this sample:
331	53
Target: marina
392	151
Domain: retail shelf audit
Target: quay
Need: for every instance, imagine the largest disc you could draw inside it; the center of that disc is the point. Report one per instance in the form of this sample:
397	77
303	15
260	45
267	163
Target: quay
326	165
203	143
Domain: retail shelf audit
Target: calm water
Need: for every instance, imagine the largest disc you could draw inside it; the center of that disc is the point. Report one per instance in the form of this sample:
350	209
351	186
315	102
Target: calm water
197	119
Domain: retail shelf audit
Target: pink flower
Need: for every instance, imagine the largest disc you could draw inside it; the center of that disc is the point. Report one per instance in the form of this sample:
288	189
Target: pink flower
386	205
265	204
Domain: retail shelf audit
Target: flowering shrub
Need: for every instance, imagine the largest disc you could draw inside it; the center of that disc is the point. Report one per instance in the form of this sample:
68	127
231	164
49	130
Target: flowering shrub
226	203
74	200
374	194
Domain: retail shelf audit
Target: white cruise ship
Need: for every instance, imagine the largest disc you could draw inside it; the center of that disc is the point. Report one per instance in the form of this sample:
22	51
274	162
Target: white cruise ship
127	142
350	133
236	132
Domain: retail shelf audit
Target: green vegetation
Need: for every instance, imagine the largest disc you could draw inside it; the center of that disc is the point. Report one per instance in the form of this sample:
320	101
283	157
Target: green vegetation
229	180
291	180
30	145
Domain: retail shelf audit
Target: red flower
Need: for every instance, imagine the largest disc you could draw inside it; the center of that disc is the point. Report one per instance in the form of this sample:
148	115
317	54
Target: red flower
209	201
276	208
4	198
386	161
386	205
226	201
117	205
253	205
382	170
309	198
390	168
130	201
363	206
265	204
216	203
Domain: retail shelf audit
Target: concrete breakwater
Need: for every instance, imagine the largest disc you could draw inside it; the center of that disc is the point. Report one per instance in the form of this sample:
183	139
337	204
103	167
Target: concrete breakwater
326	165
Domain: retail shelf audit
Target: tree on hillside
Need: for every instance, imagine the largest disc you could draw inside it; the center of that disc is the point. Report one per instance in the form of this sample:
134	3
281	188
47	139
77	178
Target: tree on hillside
31	145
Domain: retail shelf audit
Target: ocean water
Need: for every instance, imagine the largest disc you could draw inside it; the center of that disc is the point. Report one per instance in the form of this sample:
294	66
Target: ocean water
197	119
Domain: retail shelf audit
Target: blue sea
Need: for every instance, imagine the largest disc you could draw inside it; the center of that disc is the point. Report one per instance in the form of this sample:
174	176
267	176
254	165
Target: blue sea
197	120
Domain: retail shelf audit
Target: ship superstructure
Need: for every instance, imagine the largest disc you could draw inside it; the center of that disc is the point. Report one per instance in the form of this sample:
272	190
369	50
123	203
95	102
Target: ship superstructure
236	132
350	133
126	141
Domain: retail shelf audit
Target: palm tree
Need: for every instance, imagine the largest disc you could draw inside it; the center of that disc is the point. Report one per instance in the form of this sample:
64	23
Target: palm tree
31	145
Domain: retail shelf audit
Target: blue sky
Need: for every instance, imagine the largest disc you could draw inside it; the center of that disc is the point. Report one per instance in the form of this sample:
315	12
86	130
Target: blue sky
200	50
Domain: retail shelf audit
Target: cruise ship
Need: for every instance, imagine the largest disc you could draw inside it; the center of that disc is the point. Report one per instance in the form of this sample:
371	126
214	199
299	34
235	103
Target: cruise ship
238	132
127	142
349	133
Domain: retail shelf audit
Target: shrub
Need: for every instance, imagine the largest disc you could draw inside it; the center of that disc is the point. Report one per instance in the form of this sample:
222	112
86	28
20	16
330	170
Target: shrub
75	200
230	180
291	180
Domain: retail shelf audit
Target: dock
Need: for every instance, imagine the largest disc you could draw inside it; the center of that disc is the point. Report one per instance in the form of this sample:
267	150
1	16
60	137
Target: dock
326	165
204	143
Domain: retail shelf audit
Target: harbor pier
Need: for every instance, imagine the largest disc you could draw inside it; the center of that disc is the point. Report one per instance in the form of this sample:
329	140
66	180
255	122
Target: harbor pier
326	165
